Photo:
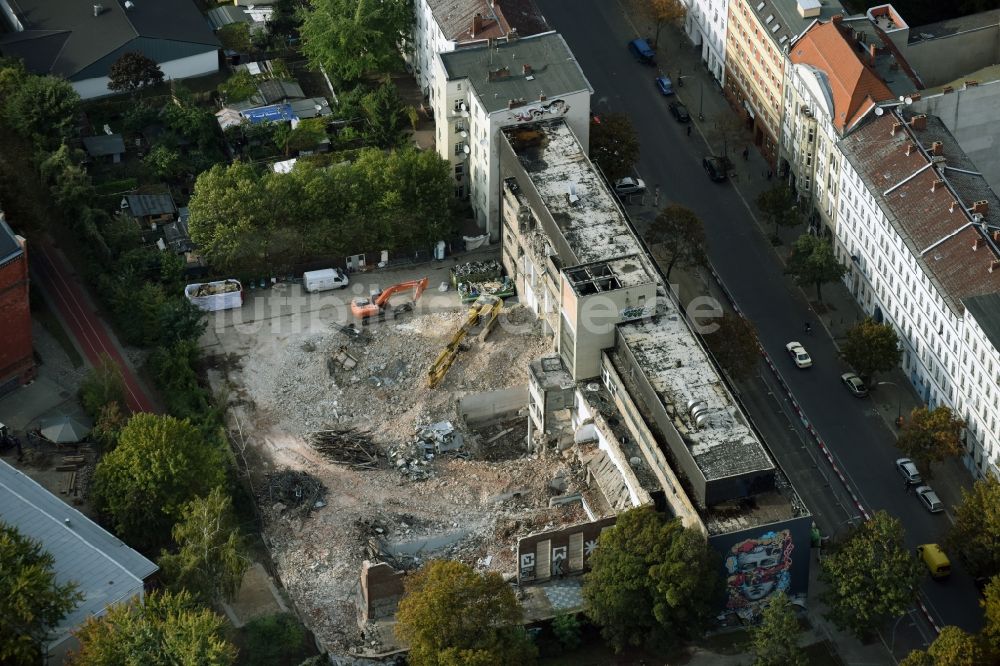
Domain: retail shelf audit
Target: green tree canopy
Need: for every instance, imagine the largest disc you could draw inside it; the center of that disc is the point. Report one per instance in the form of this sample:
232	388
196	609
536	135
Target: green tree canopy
734	345
168	629
235	37
452	615
930	436
384	113
102	386
31	601
813	263
952	647
872	348
210	560
41	108
871	577
614	145
779	206
352	38
679	236
776	638
159	465
132	71
991	610
652	581
662	12
975	536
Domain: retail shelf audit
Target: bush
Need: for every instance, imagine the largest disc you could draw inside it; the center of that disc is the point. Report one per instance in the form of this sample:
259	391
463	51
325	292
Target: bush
102	386
566	628
272	639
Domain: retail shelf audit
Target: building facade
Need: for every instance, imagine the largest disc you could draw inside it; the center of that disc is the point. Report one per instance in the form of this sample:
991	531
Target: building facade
705	25
17	362
919	229
759	34
836	74
487	88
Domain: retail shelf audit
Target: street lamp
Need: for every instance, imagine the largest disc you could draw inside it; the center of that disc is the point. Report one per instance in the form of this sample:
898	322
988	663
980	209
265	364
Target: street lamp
899	401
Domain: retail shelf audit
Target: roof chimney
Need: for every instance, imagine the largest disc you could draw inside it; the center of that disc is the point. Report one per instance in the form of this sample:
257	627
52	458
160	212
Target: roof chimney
994	265
980	242
872	52
542	97
98	10
936	184
497	74
937	148
971	84
918	122
896	126
526	69
982	207
948	89
836	18
910	148
477	24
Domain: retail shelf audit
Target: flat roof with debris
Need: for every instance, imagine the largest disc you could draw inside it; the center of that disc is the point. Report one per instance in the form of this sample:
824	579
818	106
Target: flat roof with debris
589	217
518	70
679	370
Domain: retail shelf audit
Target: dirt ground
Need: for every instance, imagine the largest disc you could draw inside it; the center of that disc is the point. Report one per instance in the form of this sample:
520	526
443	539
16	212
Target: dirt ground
274	364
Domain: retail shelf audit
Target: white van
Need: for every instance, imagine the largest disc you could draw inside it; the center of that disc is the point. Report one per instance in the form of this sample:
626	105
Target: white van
324	280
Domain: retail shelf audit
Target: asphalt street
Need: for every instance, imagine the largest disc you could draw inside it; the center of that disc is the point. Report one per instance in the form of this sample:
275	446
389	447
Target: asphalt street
597	31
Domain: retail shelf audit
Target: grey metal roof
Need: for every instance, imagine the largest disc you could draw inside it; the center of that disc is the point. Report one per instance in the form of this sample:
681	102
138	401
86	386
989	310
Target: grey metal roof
782	18
141	205
554	70
63	37
104	144
106	570
226	15
9	247
986	310
274	90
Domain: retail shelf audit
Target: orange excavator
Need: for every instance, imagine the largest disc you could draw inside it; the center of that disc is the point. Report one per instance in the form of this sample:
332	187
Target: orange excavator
375	308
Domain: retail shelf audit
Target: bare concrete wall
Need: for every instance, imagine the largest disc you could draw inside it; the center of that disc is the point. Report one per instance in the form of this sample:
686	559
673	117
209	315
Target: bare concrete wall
938	61
486	406
381	588
970	115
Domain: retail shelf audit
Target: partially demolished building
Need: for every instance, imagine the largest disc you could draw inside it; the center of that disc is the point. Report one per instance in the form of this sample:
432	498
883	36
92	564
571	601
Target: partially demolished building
631	383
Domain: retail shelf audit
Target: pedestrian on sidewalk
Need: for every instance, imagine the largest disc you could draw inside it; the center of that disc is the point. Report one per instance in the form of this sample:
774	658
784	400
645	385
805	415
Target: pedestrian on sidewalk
769	174
746	153
689	130
656	196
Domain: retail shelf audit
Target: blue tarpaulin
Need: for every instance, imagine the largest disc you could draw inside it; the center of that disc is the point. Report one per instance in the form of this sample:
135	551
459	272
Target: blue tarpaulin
273	113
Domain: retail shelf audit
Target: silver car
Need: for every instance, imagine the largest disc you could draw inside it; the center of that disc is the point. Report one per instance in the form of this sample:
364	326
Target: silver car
854	384
930	499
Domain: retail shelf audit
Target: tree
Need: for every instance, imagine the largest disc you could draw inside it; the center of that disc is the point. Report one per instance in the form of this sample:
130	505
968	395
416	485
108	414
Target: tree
952	647
210	560
614	145
108	425
779	206
776	638
159	465
729	129
975	536
930	436
451	615
237	87
872	348
132	71
235	37
734	345
384	113
566	628
167	629
871	577
351	38
307	134
31	601
991	609
165	162
652	581
680	236
662	12
41	108
271	639
102	386
813	262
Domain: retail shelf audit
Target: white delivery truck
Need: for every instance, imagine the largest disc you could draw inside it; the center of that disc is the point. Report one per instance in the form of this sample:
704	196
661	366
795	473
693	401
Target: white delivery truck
212	296
324	280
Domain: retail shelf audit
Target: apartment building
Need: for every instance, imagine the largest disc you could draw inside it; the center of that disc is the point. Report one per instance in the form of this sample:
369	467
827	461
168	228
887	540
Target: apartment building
705	25
17	361
759	34
631	386
486	88
919	228
837	72
441	26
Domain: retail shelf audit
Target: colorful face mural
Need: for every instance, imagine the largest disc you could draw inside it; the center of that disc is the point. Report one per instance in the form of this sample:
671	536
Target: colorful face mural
758	567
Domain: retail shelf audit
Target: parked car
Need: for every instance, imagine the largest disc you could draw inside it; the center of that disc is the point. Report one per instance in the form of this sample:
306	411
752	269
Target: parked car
680	112
665	85
854	384
908	470
325	279
929	499
715	167
641	51
799	354
629	185
935	560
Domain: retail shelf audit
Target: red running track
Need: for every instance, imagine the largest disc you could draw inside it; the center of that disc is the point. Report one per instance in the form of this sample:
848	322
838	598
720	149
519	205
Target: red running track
77	313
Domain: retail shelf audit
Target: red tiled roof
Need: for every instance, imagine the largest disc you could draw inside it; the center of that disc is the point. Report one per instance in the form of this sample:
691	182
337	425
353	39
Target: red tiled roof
854	85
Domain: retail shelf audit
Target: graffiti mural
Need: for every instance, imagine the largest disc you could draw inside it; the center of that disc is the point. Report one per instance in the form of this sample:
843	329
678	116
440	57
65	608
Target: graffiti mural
556	107
757	568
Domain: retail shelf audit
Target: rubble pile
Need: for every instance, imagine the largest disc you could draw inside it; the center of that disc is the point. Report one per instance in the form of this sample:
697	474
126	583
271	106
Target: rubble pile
346	446
292	489
413	458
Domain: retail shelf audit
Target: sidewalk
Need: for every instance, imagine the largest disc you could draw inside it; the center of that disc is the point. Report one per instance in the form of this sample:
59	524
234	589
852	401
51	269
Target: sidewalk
700	92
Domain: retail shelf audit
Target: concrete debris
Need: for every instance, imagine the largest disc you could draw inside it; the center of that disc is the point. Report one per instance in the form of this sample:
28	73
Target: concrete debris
291	489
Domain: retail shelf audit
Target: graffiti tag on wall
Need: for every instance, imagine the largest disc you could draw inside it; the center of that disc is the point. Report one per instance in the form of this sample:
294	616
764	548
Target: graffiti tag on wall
555	108
756	569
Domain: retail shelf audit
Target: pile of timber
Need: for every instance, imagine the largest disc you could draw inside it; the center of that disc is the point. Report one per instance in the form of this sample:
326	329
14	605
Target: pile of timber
346	446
